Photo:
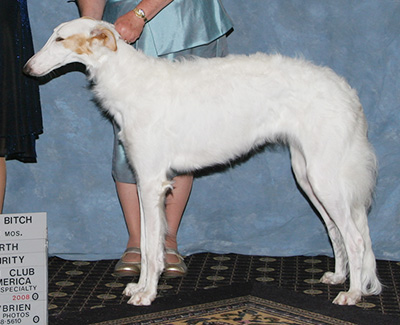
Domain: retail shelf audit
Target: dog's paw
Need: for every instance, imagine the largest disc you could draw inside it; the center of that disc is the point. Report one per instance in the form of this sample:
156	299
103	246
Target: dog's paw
332	278
139	296
347	298
131	289
143	298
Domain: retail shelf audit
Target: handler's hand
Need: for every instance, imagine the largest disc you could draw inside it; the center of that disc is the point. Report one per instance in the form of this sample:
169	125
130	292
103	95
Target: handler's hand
129	26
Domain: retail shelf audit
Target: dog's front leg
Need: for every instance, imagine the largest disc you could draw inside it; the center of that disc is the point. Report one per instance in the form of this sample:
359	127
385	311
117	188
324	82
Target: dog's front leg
151	198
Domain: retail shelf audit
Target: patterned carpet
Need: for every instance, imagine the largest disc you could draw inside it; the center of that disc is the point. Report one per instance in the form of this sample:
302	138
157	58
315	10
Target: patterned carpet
219	289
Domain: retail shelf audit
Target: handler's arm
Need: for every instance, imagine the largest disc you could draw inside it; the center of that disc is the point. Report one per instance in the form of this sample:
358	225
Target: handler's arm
130	26
91	8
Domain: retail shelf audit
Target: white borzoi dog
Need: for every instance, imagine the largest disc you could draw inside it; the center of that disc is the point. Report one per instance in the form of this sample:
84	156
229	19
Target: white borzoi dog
195	113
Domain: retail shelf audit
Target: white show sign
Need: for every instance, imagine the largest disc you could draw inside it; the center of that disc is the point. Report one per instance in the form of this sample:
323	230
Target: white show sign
23	268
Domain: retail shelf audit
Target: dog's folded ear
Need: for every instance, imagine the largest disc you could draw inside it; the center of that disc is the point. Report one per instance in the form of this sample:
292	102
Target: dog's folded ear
104	37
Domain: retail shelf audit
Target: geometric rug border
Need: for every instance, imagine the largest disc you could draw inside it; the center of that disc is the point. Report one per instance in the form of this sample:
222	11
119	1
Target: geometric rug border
222	312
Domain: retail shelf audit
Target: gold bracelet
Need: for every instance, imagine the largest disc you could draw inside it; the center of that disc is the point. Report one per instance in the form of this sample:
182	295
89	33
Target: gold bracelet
140	13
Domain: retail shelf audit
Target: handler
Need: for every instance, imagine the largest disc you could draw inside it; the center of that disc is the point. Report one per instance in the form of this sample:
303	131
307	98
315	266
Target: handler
166	29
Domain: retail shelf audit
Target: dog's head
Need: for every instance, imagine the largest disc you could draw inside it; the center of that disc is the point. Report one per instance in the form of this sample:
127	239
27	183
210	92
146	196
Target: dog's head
81	40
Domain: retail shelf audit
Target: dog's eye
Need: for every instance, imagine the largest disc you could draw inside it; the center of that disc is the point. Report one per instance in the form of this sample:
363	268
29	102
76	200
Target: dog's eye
59	39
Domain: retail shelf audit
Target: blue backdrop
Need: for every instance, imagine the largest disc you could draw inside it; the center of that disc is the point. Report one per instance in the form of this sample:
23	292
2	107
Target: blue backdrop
254	207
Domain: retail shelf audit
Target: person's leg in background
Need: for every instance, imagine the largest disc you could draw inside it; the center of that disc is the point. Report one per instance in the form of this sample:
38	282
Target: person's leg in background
176	200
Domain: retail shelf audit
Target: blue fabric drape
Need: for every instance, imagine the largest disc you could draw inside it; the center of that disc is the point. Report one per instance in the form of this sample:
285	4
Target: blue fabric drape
254	207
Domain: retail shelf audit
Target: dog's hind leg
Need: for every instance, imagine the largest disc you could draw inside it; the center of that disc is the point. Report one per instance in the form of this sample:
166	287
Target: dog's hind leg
152	195
299	167
355	247
329	186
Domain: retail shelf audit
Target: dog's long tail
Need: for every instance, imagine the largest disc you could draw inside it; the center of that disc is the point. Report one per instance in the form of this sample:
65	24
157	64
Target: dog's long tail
370	282
362	172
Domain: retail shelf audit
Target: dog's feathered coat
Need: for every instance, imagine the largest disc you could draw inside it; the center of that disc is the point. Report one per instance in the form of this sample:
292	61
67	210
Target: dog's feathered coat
191	114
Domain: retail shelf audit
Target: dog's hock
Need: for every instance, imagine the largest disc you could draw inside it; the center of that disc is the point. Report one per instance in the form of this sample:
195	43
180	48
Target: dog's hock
105	37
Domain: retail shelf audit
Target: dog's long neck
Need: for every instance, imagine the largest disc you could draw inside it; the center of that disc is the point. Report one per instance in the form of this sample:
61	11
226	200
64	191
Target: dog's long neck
118	76
103	61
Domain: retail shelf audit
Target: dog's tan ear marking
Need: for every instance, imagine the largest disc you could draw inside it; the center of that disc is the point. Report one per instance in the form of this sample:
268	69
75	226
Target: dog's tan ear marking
77	43
104	36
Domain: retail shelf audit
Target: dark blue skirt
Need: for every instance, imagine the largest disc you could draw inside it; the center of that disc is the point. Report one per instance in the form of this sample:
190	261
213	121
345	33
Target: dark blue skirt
20	111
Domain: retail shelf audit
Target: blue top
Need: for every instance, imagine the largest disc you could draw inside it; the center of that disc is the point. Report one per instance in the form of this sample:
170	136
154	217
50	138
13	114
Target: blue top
181	25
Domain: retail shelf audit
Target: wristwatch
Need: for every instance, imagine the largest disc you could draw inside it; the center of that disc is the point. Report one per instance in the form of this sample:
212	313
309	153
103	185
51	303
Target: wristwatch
140	13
